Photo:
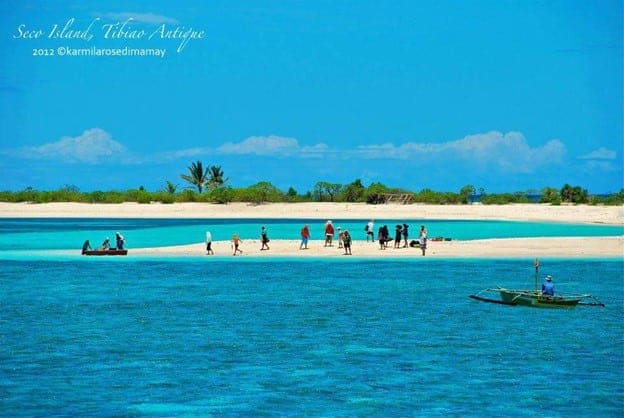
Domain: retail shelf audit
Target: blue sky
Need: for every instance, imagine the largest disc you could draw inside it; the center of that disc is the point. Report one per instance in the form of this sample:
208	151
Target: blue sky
504	95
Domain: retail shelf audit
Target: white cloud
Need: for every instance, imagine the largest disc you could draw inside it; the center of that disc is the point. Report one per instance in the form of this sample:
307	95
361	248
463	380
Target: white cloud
276	146
262	145
183	153
150	18
601	153
93	146
509	151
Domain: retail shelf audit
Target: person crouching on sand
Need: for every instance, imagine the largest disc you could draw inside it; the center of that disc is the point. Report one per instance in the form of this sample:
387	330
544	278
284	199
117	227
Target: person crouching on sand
236	241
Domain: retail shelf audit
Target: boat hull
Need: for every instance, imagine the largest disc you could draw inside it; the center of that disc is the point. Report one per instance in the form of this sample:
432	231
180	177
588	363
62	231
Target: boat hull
536	299
106	252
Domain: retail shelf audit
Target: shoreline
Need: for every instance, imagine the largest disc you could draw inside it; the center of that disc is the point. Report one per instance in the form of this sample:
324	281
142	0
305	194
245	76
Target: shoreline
566	247
610	215
572	247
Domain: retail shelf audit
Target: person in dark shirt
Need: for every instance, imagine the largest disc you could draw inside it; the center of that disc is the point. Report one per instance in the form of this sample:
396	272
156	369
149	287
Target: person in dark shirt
346	240
405	235
120	241
265	239
398	231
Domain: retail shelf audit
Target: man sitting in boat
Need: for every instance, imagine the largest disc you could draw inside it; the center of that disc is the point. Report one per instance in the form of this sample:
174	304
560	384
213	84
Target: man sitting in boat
548	287
105	245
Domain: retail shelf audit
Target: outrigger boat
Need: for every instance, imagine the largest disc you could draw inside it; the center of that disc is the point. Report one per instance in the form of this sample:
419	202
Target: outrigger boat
535	298
105	252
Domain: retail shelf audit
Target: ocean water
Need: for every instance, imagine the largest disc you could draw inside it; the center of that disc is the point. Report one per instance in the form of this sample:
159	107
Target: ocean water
350	337
46	233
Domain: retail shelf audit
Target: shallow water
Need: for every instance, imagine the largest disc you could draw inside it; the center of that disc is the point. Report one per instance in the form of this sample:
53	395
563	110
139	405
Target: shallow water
45	233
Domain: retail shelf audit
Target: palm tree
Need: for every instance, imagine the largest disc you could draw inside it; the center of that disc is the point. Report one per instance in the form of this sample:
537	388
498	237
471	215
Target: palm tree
198	176
170	188
215	175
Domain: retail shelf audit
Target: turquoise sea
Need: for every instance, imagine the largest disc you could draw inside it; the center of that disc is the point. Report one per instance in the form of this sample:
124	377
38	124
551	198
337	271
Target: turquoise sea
238	336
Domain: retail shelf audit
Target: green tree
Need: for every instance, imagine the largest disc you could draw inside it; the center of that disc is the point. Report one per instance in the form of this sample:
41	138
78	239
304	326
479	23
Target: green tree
319	190
550	195
221	195
216	177
375	193
574	194
353	192
197	176
466	192
170	188
264	192
291	194
325	188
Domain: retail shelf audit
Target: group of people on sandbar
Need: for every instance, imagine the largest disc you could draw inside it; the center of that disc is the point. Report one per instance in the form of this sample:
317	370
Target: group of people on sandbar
106	246
344	238
401	236
237	241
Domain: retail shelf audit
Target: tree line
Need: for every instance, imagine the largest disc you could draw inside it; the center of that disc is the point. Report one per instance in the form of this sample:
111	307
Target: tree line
209	184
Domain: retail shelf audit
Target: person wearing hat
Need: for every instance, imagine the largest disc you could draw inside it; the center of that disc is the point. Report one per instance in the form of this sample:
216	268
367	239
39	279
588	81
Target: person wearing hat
119	240
548	287
329	234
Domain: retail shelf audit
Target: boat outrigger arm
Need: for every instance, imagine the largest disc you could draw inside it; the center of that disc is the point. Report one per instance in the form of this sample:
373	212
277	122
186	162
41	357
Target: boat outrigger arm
535	298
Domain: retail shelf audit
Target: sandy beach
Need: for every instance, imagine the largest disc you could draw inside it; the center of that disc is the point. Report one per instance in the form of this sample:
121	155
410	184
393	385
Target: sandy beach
512	248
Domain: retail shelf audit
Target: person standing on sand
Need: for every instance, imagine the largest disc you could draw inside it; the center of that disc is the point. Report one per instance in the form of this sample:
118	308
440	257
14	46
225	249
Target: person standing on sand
265	239
398	230
422	238
381	238
305	235
340	237
370	231
329	234
405	234
236	241
209	243
346	239
386	235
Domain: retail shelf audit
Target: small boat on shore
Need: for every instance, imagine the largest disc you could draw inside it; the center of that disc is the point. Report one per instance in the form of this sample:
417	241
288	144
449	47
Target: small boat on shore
534	298
105	252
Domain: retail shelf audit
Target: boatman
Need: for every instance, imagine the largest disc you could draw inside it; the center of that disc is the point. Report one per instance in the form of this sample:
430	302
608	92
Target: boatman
548	287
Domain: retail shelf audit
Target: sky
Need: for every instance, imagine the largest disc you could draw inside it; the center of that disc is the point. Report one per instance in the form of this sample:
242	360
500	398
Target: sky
502	95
